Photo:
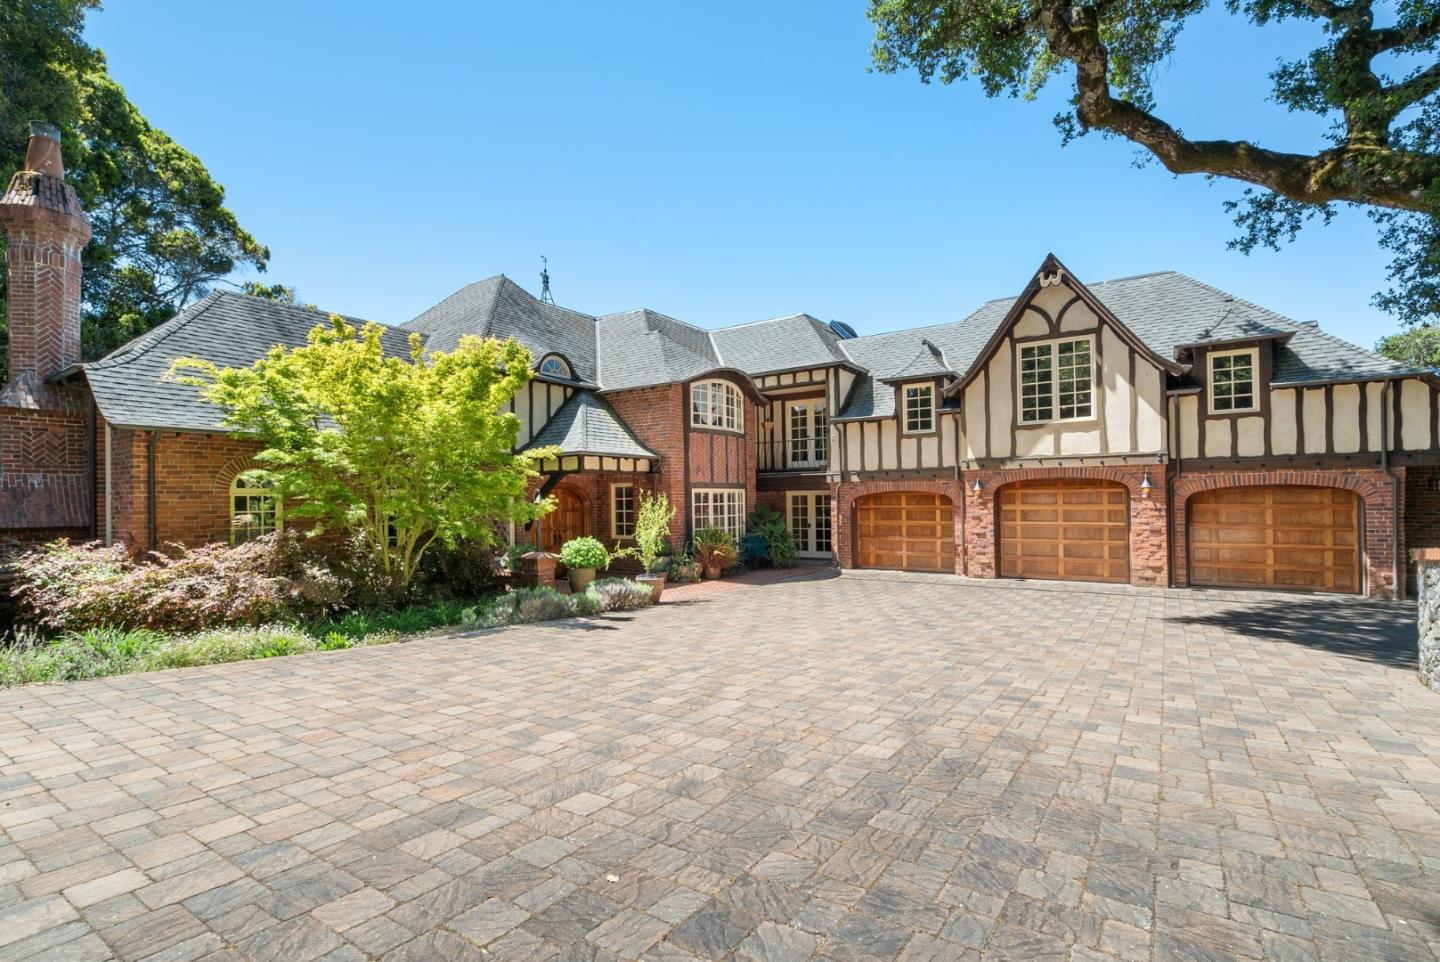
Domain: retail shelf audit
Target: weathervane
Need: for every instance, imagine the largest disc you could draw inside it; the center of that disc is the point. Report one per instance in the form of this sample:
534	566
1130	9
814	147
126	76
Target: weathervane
545	296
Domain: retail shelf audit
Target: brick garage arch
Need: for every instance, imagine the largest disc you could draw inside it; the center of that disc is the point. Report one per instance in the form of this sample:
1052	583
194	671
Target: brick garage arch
1371	485
842	515
1148	516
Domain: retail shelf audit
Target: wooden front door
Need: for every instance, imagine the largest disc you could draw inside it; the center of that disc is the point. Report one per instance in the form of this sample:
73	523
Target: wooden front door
1065	531
565	523
905	531
1276	537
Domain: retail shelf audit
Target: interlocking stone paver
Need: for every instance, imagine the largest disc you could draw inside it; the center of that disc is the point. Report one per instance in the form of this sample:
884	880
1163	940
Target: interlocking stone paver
873	766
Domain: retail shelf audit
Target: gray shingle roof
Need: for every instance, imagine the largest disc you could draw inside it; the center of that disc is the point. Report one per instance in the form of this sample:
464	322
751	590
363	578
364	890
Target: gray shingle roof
1165	310
778	344
644	348
232	330
585	424
498	307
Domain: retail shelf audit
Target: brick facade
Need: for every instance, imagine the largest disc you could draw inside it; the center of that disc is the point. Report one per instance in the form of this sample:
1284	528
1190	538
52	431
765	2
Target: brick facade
1422	515
1378	512
842	513
1149	555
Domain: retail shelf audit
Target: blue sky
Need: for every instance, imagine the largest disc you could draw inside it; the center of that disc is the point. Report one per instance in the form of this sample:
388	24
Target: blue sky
722	163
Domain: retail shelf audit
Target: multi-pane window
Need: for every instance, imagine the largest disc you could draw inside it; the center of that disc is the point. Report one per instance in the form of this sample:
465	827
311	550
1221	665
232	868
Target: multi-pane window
1232	381
720	508
555	366
808	434
716	404
919	408
622	510
254	509
1057	381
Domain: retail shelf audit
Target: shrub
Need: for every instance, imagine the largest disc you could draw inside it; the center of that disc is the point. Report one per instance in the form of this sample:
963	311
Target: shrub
220	645
680	569
715	547
776	544
63	587
586	552
620	594
514	553
27	657
469	569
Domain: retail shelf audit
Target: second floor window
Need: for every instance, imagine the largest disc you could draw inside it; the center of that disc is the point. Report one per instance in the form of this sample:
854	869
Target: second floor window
1057	381
919	408
1232	381
554	366
808	433
716	404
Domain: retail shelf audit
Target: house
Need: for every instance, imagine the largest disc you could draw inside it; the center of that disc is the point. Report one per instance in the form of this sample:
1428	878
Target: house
1151	430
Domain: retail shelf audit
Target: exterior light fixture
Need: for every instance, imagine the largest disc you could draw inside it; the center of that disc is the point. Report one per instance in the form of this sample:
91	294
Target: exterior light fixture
1145	486
977	488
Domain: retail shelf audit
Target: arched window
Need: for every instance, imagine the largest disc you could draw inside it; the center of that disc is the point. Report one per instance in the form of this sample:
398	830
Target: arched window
716	404
254	509
553	365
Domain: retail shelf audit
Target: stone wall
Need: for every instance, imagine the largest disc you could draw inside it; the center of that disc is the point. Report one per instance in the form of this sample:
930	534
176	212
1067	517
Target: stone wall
1427	564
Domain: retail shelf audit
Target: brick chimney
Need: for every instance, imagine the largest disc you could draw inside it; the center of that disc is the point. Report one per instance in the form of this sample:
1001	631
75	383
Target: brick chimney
45	231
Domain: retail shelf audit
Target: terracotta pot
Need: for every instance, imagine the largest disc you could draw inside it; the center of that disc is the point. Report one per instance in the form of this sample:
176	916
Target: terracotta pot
656	583
580	578
713	571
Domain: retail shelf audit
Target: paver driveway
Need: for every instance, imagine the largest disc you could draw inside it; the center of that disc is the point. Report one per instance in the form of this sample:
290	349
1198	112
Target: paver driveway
849	768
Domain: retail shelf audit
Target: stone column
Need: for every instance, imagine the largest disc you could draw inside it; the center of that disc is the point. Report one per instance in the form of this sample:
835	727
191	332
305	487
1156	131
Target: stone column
1427	560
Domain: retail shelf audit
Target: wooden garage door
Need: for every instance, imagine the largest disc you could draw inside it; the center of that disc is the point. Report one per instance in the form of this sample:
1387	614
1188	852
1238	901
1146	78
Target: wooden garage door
1277	537
905	531
1065	530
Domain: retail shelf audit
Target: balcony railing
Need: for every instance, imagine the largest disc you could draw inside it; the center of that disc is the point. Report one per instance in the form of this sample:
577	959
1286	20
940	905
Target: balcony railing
791	456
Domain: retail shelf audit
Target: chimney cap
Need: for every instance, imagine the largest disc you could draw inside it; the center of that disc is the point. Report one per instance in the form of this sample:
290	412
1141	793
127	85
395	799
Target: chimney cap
39	128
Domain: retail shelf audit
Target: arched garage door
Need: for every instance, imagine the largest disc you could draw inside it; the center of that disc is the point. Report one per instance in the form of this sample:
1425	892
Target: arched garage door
907	531
1276	537
1068	530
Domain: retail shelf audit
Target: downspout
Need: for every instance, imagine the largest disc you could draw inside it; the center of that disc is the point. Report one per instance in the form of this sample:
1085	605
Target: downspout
90	474
109	486
150	490
1397	571
1173	444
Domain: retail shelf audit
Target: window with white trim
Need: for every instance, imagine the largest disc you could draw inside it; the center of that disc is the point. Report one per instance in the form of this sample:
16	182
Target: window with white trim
555	366
716	404
1057	381
919	408
254	509
622	510
720	508
1232	380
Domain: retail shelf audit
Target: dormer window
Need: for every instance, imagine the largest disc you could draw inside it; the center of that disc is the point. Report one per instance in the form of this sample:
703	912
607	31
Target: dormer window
1232	380
716	404
919	408
553	365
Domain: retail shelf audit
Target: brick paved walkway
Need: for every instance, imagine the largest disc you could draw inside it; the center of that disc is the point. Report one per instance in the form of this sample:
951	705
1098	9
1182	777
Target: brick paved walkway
849	768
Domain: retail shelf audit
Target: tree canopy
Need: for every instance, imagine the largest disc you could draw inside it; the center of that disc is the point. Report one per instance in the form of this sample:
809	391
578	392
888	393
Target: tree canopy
1375	83
162	232
1418	347
403	451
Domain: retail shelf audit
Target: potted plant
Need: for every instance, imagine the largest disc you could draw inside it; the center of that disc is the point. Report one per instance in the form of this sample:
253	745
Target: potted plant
652	527
583	557
715	550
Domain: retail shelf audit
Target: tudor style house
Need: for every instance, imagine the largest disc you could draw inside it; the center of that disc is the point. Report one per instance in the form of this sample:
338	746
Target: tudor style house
1151	430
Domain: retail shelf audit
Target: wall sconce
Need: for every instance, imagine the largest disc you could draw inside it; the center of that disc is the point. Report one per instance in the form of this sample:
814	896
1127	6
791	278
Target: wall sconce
1145	486
977	488
767	423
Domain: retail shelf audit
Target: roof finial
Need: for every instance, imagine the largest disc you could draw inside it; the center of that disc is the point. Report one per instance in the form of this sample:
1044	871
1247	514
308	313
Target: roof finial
545	296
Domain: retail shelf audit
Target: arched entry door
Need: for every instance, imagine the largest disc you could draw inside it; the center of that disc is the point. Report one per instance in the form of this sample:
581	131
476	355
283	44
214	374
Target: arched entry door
565	523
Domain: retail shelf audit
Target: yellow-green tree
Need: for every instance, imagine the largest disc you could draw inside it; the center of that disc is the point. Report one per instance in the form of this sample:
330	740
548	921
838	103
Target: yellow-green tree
404	451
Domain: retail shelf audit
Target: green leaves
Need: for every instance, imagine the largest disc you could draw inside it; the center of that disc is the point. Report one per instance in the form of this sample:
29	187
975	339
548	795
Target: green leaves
403	451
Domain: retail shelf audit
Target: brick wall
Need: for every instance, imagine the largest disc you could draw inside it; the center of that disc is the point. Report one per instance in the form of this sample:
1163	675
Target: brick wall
44	473
1422	515
842	513
1372	485
657	417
